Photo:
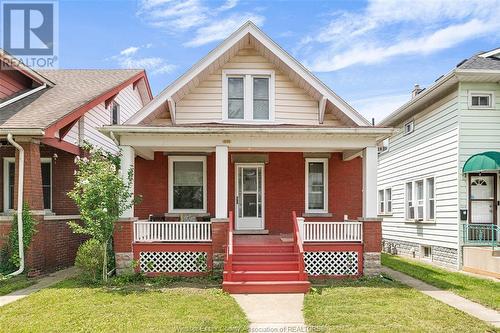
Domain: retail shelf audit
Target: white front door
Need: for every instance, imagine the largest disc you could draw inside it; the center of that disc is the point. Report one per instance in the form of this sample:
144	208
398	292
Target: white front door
249	196
482	196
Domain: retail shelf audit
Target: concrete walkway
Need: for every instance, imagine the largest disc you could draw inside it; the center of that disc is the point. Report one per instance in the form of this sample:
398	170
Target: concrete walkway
43	282
273	312
483	313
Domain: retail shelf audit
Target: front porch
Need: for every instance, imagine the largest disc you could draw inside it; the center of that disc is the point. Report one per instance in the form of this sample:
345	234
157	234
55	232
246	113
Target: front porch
190	181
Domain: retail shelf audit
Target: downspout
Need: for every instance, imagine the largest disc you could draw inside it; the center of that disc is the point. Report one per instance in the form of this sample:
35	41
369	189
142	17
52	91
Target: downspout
20	188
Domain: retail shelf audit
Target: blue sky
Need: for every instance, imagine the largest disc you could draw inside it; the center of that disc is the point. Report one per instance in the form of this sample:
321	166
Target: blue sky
371	53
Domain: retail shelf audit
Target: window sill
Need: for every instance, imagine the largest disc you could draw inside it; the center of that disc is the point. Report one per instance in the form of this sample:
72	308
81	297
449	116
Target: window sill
313	214
385	214
178	214
421	222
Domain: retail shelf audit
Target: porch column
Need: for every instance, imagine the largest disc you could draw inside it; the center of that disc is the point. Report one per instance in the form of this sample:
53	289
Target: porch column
127	164
370	160
221	178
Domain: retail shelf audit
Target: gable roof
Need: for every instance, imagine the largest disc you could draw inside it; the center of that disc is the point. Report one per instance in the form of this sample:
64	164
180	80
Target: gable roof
482	67
229	47
71	92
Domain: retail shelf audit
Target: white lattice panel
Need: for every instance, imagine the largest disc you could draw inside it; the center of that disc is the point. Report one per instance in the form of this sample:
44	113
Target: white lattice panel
331	263
173	262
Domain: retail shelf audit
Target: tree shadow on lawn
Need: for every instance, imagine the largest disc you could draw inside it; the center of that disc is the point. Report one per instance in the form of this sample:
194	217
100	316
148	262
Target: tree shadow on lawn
381	281
137	283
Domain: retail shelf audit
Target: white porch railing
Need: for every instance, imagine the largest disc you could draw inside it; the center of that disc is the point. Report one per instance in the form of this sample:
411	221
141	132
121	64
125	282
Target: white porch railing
331	231
172	232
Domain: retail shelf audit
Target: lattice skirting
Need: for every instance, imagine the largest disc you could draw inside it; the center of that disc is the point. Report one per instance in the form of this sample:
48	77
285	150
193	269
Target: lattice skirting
173	262
331	263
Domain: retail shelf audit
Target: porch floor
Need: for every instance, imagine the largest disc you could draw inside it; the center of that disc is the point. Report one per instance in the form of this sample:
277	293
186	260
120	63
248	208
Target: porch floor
262	239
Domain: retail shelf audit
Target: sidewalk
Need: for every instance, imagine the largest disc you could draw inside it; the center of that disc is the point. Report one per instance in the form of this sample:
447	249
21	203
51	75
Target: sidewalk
44	282
483	313
273	312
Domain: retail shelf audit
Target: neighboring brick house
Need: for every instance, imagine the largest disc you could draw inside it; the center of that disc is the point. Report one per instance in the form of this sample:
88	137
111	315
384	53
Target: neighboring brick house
50	114
249	130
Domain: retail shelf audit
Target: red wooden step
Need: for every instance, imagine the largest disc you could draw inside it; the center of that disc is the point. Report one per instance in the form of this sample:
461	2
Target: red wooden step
263	276
265	257
265	265
273	248
266	287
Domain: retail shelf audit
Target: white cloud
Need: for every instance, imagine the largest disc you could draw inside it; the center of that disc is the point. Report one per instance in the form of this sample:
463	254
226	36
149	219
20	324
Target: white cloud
129	51
127	58
204	20
381	106
219	30
388	28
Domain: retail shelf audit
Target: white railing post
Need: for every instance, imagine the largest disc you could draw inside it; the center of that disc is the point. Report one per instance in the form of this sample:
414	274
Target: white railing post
172	231
330	231
300	223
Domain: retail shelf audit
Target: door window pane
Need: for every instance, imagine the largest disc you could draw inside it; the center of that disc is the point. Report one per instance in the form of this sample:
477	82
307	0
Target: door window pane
260	98
316	186
250	179
235	98
482	187
46	185
188	185
250	205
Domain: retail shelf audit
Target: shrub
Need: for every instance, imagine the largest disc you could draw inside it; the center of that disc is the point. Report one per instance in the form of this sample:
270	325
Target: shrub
89	258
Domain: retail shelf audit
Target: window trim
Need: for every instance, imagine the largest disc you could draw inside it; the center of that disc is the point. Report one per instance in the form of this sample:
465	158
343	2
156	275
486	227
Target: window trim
385	201
425	212
325	180
490	94
171	160
6	161
118	113
412	122
248	75
422	252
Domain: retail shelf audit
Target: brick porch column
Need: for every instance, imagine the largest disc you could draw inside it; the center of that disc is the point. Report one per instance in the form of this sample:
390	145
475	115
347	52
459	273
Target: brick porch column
219	239
123	237
372	245
33	197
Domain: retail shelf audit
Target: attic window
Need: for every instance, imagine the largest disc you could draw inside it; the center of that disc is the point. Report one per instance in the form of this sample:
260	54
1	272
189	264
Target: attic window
409	127
481	100
115	113
248	95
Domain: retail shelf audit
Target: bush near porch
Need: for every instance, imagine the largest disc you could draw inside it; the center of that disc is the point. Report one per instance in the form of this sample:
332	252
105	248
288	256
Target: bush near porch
483	291
143	305
382	305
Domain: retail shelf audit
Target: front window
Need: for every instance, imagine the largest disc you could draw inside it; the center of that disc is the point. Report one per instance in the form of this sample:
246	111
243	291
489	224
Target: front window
9	180
47	183
316	185
381	203
388	200
187	184
430	199
248	95
235	106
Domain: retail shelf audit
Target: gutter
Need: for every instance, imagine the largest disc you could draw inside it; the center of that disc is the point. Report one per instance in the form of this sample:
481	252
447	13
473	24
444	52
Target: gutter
112	131
26	94
22	131
20	188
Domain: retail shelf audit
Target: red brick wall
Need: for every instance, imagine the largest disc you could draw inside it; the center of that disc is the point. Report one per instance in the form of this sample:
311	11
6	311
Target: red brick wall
372	236
123	236
284	188
5	227
151	179
284	178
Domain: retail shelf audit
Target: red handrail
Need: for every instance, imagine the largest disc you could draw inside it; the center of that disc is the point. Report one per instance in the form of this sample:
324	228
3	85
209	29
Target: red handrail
298	243
229	248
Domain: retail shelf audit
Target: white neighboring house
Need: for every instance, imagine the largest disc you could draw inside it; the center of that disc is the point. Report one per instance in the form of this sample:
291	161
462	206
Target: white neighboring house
438	174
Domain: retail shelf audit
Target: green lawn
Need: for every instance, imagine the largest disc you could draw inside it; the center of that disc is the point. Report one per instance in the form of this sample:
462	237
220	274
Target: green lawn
382	305
167	306
484	291
9	285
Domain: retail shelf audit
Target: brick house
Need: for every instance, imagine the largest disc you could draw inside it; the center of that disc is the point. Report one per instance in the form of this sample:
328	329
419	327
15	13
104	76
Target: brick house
49	114
250	161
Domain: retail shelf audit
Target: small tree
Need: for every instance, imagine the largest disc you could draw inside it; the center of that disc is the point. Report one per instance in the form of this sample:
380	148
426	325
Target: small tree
102	196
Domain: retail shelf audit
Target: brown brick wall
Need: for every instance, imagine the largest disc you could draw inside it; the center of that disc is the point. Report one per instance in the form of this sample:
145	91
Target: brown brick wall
372	236
123	236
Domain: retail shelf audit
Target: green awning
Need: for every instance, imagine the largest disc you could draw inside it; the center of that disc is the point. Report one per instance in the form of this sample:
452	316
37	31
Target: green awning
487	161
